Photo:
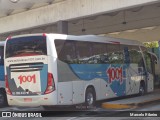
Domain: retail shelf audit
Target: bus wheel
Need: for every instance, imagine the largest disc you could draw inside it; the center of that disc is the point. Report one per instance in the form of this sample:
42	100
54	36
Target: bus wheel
142	89
90	98
3	98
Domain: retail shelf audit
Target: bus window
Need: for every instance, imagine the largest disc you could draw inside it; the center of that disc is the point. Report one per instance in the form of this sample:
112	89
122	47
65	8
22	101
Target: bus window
126	55
99	48
26	46
59	45
83	51
135	54
100	53
65	50
148	59
115	54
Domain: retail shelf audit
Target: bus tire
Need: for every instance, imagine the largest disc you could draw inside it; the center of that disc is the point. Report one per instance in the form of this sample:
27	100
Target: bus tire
3	98
142	88
90	97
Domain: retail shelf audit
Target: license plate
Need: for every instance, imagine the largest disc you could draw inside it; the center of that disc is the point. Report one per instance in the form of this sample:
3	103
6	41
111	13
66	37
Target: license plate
27	99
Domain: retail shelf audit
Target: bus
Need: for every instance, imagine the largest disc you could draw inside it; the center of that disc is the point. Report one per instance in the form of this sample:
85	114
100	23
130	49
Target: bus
57	69
3	98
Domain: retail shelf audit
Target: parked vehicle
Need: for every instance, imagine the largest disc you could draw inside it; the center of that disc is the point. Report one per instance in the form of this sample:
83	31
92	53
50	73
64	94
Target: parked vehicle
56	69
3	98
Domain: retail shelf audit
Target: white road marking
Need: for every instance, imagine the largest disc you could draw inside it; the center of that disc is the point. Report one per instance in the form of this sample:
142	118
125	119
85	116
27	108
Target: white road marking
72	118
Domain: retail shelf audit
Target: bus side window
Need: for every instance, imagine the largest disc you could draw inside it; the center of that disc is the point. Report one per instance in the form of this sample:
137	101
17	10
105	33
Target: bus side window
115	54
148	59
83	52
99	53
65	50
135	57
126	55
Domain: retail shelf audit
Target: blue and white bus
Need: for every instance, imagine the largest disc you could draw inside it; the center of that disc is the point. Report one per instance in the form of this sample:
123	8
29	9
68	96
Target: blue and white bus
3	99
55	69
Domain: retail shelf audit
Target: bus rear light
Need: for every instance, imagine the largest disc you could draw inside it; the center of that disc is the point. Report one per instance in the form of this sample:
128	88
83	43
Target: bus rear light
50	84
8	91
8	38
44	34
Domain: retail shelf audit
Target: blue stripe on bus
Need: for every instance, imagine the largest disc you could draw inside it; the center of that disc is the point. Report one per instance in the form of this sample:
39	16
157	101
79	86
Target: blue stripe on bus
92	71
44	77
1	73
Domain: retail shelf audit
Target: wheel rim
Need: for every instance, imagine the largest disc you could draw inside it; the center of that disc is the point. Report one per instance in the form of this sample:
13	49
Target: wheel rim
1	99
90	99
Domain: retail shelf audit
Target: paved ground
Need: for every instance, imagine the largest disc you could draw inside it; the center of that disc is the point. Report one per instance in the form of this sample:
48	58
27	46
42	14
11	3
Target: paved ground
96	114
133	102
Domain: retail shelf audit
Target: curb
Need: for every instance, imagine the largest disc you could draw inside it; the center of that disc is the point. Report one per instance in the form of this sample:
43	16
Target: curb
116	106
127	106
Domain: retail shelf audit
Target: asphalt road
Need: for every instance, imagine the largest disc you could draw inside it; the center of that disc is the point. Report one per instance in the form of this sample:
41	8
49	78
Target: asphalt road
97	113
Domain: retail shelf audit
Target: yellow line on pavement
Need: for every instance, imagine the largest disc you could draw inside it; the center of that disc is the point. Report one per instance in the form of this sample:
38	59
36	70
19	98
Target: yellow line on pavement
116	106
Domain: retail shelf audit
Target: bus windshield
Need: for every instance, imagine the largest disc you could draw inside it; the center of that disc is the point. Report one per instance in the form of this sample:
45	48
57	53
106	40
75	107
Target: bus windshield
26	46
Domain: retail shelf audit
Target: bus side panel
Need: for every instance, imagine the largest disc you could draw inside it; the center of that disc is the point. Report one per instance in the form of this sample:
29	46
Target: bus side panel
150	83
64	93
106	91
111	75
52	68
65	85
2	76
97	85
78	95
2	79
113	80
133	79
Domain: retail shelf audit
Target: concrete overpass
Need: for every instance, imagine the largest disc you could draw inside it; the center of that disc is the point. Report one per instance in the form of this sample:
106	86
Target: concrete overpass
124	18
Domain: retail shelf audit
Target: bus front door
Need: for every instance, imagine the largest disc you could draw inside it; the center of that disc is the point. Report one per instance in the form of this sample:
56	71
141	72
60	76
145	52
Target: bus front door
149	70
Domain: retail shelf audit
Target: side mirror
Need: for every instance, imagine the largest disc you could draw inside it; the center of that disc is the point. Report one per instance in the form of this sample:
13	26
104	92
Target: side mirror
155	62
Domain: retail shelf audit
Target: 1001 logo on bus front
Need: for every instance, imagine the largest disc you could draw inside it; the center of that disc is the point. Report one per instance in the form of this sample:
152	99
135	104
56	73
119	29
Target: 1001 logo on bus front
115	74
29	78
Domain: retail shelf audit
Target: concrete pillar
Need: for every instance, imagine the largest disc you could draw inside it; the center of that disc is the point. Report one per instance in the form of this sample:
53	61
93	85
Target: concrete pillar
62	27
